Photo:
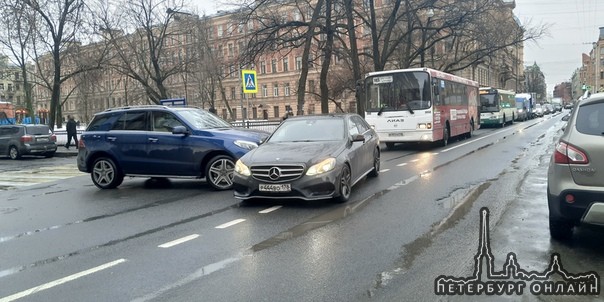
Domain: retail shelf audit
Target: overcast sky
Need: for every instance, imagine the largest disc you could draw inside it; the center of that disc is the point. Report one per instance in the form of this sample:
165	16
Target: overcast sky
573	26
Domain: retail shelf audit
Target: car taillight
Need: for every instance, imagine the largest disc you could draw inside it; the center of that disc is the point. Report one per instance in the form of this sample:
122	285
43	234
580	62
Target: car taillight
53	138
81	144
569	154
27	138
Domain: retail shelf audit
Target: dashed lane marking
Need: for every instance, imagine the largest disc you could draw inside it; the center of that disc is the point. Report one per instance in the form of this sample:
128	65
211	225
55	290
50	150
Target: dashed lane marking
52	284
230	223
178	241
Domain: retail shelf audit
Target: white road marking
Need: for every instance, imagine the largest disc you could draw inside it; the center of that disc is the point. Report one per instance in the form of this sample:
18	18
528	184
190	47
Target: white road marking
401	165
435	153
384	170
498	132
231	223
52	284
414	161
178	241
270	210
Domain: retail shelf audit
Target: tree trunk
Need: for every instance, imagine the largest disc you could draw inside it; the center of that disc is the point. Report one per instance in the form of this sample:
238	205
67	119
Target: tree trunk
307	44
354	58
327	53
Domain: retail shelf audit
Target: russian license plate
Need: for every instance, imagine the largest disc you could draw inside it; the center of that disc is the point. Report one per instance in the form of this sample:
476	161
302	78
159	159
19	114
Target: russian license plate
395	134
42	139
275	187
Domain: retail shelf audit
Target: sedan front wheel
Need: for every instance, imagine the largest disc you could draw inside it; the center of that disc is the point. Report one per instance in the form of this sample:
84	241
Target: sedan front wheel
345	184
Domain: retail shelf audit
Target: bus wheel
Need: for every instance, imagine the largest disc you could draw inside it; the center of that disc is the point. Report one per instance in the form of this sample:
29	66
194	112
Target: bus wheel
513	118
471	132
445	136
503	122
390	145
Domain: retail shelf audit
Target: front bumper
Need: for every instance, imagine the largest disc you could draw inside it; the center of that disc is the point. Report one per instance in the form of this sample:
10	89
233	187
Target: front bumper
316	187
401	136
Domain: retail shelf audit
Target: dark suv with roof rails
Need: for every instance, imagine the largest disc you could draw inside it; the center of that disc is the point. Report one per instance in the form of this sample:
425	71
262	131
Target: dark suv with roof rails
165	142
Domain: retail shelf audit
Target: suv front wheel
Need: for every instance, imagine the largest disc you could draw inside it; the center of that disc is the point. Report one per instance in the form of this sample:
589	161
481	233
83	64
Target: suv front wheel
219	172
105	173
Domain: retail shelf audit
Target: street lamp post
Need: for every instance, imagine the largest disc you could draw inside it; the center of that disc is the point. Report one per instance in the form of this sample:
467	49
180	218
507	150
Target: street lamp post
430	14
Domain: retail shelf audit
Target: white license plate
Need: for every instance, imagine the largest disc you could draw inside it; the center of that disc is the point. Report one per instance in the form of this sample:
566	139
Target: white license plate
396	134
42	140
275	187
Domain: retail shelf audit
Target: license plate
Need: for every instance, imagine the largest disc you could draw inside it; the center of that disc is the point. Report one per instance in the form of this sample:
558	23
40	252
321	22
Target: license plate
275	187
396	134
42	139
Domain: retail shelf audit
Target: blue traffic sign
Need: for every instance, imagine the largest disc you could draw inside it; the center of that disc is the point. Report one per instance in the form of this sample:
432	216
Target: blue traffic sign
249	81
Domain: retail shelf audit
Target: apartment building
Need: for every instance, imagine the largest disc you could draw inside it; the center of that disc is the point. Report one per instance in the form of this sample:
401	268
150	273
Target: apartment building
212	48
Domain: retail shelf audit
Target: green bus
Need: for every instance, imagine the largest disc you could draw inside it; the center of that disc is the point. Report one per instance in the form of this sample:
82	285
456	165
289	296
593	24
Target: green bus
497	107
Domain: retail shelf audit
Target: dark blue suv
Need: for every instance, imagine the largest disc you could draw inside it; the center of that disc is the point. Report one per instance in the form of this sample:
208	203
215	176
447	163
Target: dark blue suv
163	142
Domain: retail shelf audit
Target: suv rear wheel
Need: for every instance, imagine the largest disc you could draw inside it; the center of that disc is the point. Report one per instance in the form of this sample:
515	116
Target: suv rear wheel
13	152
106	174
219	172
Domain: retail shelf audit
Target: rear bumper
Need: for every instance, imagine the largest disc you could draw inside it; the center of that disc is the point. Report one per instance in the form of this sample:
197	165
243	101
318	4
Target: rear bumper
38	148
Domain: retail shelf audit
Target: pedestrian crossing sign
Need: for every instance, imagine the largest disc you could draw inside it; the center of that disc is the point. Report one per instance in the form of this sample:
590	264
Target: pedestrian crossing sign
250	83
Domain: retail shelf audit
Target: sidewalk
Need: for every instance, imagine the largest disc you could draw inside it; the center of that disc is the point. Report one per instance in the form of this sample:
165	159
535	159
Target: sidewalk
64	152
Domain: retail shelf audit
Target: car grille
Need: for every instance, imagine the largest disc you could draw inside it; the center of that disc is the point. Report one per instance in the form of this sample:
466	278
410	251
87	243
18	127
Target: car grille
280	173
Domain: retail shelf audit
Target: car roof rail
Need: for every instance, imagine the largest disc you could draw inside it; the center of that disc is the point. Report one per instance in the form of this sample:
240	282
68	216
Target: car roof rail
136	107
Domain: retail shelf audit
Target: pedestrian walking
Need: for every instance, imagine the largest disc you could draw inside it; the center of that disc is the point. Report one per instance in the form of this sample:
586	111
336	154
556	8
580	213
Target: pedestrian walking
72	131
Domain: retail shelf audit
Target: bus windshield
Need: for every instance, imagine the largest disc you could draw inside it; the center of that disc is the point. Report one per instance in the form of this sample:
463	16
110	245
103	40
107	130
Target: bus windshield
398	91
489	103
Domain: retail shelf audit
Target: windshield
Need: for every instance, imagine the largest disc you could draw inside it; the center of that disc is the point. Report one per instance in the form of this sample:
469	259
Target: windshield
520	104
489	103
201	119
308	130
398	91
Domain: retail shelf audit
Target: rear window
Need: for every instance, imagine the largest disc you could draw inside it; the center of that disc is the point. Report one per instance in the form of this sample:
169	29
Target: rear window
590	119
103	122
37	130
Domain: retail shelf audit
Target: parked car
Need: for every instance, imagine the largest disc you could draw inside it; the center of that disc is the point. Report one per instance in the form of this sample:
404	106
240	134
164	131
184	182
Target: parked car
521	112
310	157
19	140
538	110
575	177
161	141
548	109
557	107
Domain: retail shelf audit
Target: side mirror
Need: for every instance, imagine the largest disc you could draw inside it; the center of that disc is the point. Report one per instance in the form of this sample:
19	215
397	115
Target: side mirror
566	117
180	130
358	138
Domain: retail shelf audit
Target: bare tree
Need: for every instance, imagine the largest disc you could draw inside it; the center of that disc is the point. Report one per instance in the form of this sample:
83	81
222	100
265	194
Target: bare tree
61	28
145	42
17	39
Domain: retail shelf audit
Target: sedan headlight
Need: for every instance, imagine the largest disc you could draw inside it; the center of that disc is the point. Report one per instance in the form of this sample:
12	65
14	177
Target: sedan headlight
241	168
322	167
246	144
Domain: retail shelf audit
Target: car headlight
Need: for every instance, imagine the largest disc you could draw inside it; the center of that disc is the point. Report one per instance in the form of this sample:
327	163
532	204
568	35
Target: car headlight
246	144
322	167
242	169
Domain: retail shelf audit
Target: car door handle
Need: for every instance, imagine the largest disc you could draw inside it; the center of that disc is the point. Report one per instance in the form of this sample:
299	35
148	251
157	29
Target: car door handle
153	140
111	138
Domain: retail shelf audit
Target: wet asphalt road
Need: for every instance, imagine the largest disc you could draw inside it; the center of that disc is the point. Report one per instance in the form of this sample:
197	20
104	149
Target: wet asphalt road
418	220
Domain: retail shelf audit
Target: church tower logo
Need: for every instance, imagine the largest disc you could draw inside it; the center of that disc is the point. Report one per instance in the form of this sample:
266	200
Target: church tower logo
512	279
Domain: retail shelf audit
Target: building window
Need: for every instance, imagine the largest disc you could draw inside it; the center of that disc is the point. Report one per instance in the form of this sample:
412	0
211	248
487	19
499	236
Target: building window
220	30
276	111
311	108
275	89
311	86
286	89
285	64
264	90
262	67
298	63
232	93
273	65
234	110
231	51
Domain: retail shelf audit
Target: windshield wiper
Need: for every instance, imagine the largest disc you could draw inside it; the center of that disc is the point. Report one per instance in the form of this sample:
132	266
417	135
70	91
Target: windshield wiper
409	108
381	110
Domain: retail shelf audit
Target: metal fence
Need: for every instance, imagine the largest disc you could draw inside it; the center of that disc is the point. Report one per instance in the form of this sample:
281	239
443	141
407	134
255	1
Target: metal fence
268	126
